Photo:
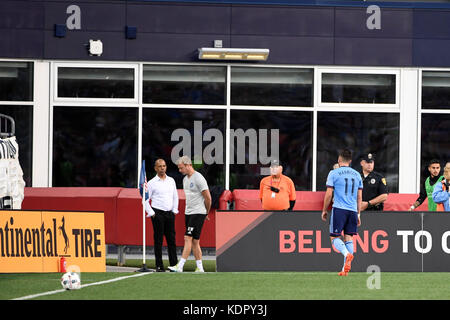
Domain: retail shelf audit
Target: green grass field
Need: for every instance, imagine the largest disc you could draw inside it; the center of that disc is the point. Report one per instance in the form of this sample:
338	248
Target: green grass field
231	286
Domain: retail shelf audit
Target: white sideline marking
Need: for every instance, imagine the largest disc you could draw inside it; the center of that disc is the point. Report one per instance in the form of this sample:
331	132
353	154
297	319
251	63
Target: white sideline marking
32	296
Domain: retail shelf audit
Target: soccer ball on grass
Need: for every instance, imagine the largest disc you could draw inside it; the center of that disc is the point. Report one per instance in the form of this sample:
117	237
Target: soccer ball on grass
71	281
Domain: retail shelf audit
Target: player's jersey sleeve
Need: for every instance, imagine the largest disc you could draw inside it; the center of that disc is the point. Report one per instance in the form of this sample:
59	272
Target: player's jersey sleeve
330	179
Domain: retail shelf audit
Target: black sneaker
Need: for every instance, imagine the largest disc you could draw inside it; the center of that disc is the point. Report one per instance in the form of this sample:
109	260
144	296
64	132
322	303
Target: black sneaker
160	269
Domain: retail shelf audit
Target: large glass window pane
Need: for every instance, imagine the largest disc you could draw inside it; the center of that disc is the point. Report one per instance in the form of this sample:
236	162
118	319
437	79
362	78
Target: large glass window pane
358	88
377	133
435	90
23	119
184	85
271	86
435	142
258	136
95	147
199	134
95	82
16	81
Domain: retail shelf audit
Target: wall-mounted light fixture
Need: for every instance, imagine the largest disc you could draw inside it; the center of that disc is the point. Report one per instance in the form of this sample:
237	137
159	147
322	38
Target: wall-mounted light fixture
233	54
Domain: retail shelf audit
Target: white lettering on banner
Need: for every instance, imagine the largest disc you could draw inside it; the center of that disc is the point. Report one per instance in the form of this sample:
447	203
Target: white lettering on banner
405	234
418	241
374	21
444	242
73	22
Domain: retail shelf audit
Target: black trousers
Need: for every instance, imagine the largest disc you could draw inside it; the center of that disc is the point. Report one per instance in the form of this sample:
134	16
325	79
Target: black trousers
164	226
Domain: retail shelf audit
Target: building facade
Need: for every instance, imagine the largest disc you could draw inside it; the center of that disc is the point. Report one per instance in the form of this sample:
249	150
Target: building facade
374	77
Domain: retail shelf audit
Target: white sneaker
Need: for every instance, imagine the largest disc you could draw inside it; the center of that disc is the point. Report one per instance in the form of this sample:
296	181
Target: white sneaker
199	270
175	268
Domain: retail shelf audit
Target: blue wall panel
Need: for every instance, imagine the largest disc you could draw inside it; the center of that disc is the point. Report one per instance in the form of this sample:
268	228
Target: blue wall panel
290	50
74	45
295	34
169	47
285	21
21	14
431	52
394	23
370	51
179	19
21	43
432	24
94	16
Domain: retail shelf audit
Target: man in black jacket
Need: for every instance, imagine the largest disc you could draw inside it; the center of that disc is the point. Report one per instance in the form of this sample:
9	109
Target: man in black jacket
375	191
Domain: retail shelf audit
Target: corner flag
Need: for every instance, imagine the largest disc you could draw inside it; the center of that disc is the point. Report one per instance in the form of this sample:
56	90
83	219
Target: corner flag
143	182
143	187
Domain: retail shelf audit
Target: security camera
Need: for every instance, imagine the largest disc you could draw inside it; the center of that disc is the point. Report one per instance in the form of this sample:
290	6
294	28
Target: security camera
95	47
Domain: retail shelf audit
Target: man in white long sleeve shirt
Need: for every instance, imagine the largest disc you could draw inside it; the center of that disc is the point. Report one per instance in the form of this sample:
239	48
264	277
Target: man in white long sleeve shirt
163	194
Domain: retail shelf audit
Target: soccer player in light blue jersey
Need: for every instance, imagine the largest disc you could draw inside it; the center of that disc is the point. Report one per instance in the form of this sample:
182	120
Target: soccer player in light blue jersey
346	184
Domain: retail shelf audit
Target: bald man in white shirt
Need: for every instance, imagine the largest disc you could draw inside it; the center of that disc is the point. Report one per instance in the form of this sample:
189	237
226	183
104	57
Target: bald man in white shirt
163	194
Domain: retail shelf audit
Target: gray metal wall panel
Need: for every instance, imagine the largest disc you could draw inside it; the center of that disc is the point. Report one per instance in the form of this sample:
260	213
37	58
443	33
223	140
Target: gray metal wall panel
285	21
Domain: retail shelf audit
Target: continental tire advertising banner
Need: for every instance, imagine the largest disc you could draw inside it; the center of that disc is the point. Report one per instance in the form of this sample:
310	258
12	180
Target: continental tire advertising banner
299	241
35	241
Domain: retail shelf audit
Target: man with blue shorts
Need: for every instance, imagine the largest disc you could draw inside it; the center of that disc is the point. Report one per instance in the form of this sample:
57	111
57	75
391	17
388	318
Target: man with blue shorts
345	184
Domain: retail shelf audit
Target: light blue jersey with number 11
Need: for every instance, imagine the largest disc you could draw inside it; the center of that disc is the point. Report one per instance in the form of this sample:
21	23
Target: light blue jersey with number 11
346	182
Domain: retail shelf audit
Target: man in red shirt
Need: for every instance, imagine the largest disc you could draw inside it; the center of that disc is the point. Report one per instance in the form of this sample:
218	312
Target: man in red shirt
277	191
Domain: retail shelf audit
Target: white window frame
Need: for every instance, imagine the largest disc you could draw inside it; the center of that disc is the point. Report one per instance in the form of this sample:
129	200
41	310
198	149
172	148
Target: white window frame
421	111
95	101
181	105
357	107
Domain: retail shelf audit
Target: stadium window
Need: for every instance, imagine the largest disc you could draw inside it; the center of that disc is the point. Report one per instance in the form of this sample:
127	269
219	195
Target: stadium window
176	84
96	82
23	119
271	86
361	132
358	88
252	146
171	132
16	81
435	90
435	143
95	147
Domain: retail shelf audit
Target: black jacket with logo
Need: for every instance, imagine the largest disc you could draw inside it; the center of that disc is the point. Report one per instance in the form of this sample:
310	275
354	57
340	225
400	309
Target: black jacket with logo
373	185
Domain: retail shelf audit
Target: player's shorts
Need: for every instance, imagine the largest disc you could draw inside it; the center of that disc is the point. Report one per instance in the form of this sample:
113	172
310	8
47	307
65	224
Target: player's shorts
194	225
343	220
